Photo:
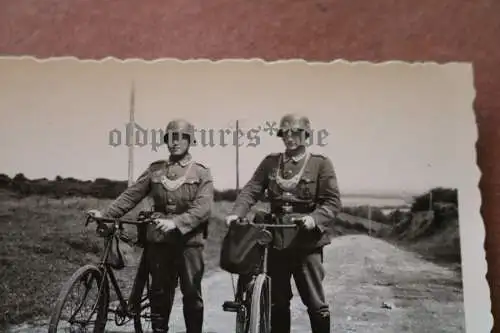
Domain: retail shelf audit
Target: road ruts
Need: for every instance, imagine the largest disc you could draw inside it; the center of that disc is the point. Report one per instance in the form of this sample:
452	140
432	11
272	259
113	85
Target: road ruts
371	286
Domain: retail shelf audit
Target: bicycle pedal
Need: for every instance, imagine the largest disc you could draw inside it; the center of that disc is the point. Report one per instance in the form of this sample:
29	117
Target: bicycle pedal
231	306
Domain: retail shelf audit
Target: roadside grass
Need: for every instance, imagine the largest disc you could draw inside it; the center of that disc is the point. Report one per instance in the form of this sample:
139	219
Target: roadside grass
43	241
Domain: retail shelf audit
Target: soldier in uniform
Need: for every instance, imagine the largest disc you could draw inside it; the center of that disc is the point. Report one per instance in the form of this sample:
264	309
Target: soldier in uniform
182	192
297	182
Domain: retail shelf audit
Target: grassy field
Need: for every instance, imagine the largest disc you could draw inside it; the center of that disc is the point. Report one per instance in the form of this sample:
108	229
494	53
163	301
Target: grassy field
43	240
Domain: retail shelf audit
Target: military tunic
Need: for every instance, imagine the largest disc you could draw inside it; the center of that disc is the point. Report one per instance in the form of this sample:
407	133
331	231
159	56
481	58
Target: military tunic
189	205
183	192
317	192
297	253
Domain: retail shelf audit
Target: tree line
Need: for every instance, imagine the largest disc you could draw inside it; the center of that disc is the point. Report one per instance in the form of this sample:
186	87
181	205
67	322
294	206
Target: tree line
59	187
103	188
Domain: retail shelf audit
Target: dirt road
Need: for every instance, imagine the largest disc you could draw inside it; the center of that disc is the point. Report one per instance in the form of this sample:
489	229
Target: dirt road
372	286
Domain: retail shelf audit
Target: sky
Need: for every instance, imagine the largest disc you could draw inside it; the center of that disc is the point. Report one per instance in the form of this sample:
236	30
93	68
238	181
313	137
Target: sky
386	128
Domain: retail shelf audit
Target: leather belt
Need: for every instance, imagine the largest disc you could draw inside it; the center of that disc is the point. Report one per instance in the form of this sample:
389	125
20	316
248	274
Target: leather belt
291	209
167	209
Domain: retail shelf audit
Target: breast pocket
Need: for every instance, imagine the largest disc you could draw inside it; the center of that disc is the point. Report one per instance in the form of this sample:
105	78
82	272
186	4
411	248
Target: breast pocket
307	187
272	187
157	189
190	188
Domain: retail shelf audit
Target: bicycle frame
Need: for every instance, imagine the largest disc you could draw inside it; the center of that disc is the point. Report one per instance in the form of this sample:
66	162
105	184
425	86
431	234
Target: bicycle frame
264	269
264	262
107	271
248	309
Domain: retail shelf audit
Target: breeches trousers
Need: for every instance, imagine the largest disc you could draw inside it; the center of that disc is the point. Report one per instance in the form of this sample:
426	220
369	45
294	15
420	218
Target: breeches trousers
307	270
168	266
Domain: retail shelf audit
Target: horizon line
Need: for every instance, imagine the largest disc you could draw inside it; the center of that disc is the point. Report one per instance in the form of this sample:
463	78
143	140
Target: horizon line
392	194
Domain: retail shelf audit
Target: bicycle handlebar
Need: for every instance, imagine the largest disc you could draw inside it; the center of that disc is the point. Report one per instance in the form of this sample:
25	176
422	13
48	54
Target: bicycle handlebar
275	226
112	220
144	217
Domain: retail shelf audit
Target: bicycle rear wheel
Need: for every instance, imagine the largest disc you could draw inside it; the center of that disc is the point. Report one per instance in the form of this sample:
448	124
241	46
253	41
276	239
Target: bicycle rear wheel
96	285
260	310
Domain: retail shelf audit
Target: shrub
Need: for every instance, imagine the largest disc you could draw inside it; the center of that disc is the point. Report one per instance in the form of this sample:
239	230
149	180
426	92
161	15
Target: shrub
437	195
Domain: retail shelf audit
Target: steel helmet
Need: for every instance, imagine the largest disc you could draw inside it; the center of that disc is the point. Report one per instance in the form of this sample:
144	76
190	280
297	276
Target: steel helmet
180	126
294	122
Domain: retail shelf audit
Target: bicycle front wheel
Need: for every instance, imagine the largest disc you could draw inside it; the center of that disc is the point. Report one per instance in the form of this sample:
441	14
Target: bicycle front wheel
93	298
260	310
142	318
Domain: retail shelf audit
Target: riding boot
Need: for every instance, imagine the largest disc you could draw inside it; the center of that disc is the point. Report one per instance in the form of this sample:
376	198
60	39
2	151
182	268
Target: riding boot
159	321
160	311
193	320
280	320
163	283
320	322
159	324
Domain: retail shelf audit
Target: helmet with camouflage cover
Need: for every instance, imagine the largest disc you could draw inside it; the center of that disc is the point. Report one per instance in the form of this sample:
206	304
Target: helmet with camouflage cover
180	126
294	122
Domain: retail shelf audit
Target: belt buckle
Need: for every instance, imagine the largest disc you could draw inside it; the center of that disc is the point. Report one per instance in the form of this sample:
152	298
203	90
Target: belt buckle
170	207
287	209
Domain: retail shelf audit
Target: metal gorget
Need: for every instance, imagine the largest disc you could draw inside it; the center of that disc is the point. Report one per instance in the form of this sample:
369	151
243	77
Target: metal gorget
290	184
172	185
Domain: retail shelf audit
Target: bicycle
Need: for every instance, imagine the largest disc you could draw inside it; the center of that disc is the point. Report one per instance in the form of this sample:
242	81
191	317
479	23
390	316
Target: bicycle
103	274
253	307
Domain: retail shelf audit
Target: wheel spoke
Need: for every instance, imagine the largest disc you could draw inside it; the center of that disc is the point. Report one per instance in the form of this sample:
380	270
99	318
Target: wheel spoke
86	319
83	299
86	307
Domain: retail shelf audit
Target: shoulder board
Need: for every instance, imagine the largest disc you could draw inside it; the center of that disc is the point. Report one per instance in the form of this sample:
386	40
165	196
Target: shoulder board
201	165
319	156
158	163
273	155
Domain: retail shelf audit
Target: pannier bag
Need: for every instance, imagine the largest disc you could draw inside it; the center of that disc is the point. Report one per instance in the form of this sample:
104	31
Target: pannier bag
115	258
242	248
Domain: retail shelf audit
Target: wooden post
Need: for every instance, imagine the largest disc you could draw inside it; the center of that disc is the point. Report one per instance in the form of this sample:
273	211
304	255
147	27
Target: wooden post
237	182
132	144
237	157
430	200
370	220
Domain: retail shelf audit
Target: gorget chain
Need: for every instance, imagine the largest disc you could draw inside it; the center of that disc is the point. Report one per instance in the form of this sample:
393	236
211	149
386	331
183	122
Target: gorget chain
290	184
173	185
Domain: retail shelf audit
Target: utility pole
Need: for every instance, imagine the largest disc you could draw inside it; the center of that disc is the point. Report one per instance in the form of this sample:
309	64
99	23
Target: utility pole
132	136
237	141
237	156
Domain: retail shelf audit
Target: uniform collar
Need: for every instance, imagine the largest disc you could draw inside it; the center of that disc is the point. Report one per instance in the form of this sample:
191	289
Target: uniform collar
295	158
182	162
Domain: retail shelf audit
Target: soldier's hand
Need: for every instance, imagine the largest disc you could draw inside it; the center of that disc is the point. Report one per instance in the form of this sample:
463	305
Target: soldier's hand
231	218
307	222
165	225
155	217
94	213
101	228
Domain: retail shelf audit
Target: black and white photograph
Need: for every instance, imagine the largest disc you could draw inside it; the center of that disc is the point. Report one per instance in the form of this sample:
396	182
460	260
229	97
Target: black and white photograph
239	196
